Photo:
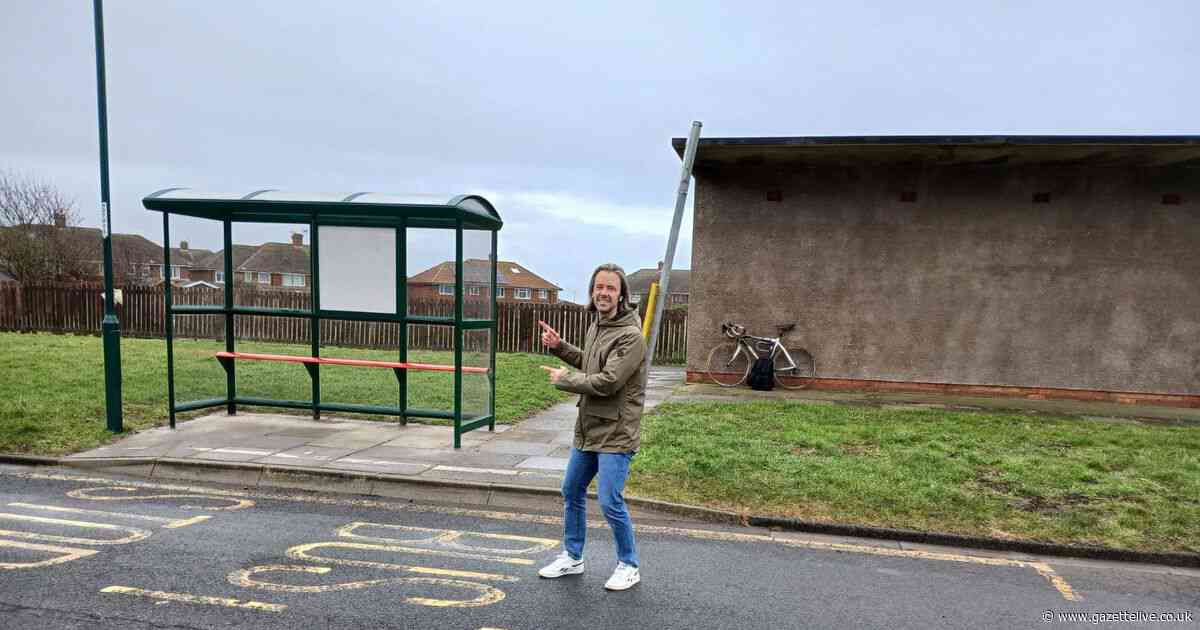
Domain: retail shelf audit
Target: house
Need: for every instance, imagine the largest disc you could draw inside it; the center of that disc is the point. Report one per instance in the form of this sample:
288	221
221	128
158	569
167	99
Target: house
278	265
514	282
1038	266
640	280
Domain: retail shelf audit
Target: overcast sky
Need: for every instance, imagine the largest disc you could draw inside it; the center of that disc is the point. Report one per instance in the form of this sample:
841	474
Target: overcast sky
561	113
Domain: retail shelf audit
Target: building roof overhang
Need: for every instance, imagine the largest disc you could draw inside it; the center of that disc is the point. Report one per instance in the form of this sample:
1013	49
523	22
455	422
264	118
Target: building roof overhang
995	150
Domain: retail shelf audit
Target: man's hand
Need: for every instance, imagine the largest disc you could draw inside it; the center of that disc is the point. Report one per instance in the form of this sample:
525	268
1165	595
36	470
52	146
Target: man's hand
556	374
550	337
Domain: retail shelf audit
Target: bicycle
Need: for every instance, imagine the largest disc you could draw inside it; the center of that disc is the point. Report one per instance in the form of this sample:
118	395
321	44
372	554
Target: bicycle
729	363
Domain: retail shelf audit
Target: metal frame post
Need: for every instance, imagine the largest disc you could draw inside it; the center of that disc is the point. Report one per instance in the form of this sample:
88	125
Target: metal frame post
110	326
168	316
402	310
230	365
458	330
314	370
664	279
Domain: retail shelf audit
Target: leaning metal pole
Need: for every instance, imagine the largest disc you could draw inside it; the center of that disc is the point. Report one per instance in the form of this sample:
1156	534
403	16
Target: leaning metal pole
110	326
664	278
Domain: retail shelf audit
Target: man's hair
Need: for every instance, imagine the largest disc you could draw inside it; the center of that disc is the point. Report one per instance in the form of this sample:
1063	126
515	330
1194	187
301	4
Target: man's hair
623	302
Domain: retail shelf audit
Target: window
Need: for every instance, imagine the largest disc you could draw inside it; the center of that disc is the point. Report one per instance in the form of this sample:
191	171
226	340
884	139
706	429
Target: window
176	272
445	289
543	294
473	290
521	293
636	298
264	277
249	277
293	280
221	277
499	291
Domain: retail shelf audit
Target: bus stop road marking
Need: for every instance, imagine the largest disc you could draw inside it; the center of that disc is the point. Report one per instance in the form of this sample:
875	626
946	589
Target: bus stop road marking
134	533
66	554
195	599
1041	568
171	523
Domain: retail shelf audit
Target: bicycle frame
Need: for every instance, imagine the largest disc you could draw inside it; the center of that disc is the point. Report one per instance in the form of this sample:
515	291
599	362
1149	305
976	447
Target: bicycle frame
747	342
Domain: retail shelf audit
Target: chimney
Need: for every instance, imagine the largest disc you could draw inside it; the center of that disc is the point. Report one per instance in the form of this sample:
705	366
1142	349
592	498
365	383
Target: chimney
183	245
297	239
60	219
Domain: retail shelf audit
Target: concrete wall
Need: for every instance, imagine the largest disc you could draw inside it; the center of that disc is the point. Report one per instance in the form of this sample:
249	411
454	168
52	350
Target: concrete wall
1099	289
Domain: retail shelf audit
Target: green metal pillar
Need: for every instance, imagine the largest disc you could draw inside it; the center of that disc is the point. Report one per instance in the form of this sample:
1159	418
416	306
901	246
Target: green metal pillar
110	326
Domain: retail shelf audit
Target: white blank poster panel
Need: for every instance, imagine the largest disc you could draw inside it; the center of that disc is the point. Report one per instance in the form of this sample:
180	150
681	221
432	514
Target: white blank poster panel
358	268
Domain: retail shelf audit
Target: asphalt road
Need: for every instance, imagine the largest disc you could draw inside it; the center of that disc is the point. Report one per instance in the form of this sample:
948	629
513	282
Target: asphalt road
98	552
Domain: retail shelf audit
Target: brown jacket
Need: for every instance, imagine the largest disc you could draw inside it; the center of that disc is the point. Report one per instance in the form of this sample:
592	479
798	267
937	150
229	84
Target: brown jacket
611	386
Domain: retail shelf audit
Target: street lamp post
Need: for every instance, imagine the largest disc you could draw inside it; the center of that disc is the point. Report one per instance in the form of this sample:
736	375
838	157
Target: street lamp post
110	326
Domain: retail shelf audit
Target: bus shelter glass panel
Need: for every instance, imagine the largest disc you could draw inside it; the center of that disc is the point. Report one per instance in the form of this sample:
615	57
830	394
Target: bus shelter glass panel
277	380
193	269
358	385
477	274
430	265
476	397
196	340
271	265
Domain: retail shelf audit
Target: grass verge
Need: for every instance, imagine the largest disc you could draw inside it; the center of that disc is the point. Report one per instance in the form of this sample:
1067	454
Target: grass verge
1032	477
52	390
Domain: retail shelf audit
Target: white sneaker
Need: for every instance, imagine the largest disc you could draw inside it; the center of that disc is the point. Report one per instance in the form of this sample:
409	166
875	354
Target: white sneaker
564	564
623	577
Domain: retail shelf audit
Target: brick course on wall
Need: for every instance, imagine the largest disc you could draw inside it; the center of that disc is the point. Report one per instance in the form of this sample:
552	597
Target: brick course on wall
955	275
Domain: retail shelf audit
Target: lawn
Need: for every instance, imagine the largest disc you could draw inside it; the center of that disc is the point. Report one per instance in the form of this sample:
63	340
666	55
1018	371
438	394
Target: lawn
52	392
1069	480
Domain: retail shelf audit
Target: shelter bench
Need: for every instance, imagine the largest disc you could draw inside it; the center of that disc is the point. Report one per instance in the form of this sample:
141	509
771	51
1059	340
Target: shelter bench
251	356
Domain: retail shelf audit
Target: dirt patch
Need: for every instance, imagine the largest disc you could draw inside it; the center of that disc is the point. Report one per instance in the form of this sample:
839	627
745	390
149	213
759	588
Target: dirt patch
1044	505
860	450
802	451
990	478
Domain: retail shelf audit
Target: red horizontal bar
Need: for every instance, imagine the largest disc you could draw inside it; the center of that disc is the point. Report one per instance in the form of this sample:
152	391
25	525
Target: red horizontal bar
355	362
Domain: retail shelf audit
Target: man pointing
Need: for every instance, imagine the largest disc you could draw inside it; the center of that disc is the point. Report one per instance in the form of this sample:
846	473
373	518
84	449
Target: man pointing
611	385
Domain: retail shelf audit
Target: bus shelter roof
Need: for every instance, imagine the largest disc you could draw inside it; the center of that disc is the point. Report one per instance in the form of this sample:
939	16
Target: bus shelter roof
356	209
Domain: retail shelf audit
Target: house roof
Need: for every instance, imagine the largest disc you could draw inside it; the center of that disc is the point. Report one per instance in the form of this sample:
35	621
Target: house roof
355	209
190	257
477	270
216	260
127	248
277	257
639	281
958	150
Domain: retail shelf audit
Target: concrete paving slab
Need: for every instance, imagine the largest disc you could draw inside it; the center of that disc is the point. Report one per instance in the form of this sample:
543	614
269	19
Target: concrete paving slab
473	474
517	448
400	489
379	466
463	456
305	455
441	440
531	435
545	463
355	439
562	451
223	454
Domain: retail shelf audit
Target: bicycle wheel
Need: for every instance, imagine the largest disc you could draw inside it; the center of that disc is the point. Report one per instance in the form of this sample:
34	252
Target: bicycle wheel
795	376
728	364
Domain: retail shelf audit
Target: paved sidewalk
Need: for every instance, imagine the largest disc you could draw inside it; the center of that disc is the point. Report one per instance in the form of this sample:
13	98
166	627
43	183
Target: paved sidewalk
531	454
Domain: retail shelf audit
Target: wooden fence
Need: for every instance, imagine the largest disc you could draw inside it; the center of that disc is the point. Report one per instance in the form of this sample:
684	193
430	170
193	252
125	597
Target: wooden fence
80	309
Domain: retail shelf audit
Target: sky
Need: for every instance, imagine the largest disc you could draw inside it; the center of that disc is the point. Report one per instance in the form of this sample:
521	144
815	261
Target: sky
560	113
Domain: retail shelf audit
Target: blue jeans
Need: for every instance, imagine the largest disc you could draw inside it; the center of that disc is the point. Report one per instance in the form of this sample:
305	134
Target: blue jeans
614	470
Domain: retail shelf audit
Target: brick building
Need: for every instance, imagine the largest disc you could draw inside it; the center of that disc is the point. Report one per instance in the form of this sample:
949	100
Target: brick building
514	283
1042	266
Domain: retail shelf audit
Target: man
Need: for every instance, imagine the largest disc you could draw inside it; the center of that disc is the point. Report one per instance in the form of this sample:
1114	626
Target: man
611	388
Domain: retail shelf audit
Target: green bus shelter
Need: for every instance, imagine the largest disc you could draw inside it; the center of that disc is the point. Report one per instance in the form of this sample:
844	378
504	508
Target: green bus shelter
358	266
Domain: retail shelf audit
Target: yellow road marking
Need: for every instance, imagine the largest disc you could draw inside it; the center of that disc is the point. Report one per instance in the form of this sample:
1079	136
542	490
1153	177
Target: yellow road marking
245	578
449	538
1056	581
171	523
195	599
135	534
300	552
87	493
450	554
67	554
